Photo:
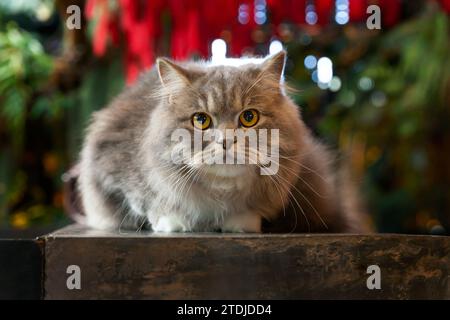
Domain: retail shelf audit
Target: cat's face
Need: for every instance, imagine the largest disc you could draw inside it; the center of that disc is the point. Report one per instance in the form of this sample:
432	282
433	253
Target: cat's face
227	121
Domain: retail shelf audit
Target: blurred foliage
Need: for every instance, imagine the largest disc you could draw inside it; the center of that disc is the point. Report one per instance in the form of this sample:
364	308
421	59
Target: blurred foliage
403	124
23	66
41	125
24	70
389	118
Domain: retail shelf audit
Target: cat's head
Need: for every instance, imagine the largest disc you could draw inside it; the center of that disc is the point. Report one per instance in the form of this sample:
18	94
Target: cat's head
217	118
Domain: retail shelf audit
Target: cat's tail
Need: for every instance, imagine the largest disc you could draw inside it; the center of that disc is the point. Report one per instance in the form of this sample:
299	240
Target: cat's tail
72	200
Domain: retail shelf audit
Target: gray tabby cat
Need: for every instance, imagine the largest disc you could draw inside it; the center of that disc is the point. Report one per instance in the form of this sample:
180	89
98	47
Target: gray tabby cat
128	178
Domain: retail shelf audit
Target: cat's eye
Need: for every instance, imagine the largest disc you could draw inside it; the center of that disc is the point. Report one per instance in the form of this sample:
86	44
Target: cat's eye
201	120
248	118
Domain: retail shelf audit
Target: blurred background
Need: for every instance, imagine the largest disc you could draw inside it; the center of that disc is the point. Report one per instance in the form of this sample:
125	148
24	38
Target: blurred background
380	96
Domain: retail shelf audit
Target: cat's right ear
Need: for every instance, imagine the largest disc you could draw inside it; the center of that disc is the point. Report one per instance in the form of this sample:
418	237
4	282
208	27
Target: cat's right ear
173	75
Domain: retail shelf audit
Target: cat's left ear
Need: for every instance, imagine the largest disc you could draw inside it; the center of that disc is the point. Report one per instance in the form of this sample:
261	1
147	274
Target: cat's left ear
274	66
173	75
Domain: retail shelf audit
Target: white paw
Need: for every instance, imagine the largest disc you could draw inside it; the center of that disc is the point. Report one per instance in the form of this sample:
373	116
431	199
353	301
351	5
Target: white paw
101	223
242	223
169	224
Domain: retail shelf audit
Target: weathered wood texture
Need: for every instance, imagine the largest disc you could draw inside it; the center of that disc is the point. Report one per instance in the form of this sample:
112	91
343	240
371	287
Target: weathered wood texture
246	266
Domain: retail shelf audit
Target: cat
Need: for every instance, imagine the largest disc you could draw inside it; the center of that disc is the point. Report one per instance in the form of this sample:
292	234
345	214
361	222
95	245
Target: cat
129	180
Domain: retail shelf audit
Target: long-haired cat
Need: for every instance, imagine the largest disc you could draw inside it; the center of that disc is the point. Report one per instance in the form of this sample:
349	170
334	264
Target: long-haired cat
128	176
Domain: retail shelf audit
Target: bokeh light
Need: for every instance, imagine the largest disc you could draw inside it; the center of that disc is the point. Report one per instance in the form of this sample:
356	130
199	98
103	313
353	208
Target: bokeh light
310	62
275	47
324	70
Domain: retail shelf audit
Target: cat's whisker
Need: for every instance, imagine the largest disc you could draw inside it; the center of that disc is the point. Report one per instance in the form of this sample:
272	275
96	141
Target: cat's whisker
293	172
305	167
189	179
293	186
176	174
307	200
299	206
253	85
276	183
123	220
293	206
184	181
279	193
141	226
179	177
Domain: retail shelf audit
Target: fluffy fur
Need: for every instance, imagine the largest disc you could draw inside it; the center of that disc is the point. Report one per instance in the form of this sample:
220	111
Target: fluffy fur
128	179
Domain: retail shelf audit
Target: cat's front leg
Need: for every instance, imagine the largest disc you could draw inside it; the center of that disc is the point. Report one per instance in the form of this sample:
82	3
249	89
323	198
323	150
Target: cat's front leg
245	222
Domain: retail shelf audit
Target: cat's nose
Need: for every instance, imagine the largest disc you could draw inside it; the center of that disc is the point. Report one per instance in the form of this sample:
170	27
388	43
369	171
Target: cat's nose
227	143
226	136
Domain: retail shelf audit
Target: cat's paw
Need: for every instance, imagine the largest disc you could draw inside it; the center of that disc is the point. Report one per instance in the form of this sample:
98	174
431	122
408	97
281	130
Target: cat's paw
242	223
169	224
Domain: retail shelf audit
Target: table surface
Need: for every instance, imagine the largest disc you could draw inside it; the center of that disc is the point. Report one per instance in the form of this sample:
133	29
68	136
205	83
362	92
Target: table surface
130	265
80	231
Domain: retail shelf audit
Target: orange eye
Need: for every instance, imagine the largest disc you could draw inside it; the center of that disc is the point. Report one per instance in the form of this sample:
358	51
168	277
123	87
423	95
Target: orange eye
249	118
201	120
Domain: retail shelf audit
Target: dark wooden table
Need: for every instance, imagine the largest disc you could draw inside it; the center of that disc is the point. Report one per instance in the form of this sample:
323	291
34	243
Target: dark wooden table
244	266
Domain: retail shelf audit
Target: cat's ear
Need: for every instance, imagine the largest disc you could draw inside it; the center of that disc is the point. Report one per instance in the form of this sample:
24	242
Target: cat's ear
274	65
173	75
